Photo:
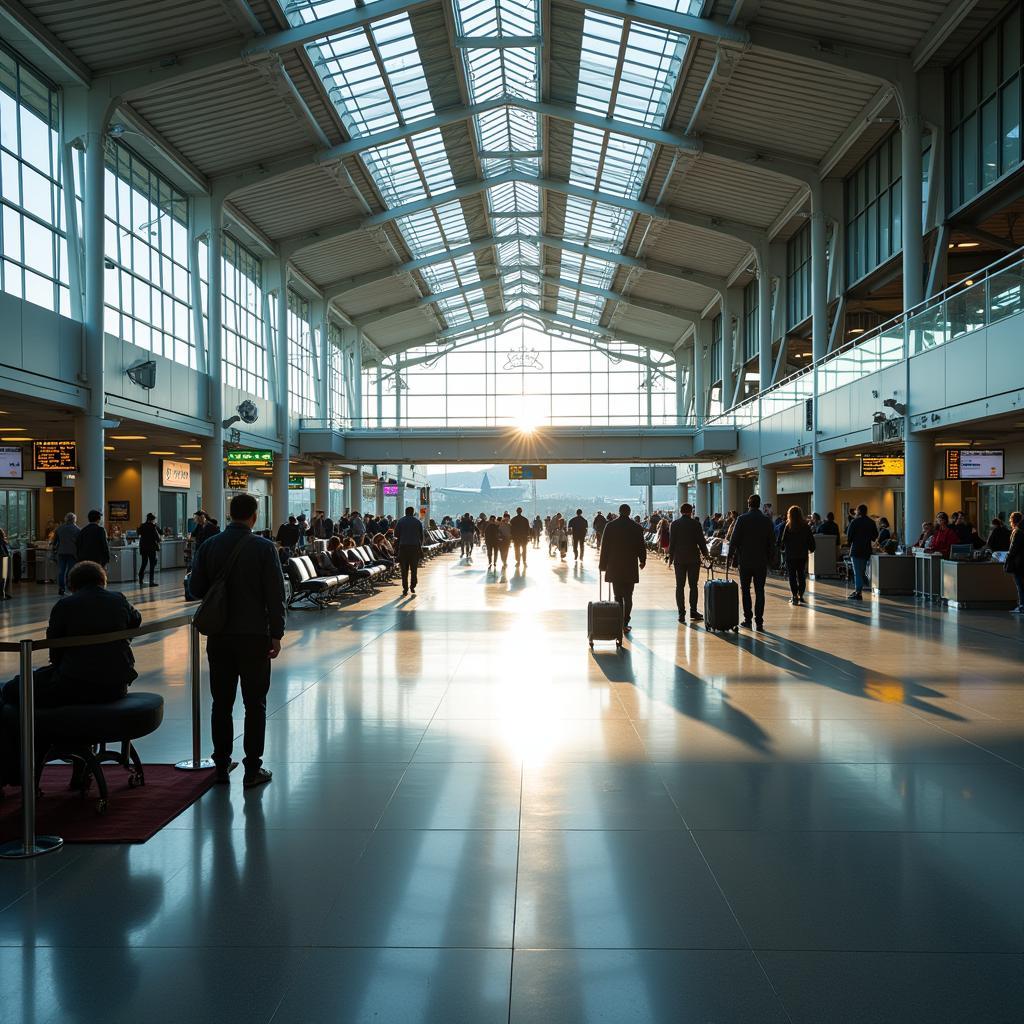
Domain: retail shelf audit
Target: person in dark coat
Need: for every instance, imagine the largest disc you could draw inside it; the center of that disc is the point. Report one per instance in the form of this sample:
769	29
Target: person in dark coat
998	537
149	545
798	542
829	528
599	524
92	541
686	547
491	541
5	576
288	534
861	535
409	538
623	555
520	527
1014	564
578	532
752	550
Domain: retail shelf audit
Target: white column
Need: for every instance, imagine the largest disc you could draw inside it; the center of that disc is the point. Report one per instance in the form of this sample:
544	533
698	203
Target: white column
322	484
729	499
213	446
767	482
684	388
823	499
89	486
913	241
700	388
318	317
764	319
823	470
919	485
279	500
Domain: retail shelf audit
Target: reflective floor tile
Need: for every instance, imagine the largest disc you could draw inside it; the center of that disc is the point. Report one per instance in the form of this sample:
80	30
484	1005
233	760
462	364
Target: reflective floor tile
411	986
649	986
456	795
157	985
596	796
344	741
623	889
366	700
427	888
873	890
897	988
850	797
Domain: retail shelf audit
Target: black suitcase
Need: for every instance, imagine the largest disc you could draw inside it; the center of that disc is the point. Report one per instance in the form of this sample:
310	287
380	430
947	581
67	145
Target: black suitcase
721	603
604	620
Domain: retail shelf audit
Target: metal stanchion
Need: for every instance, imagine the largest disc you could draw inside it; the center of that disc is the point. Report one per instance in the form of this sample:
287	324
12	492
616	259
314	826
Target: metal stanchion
30	845
197	761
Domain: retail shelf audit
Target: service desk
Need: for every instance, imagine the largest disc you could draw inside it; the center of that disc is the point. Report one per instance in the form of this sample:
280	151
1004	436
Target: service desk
892	575
172	553
823	562
977	585
927	574
124	564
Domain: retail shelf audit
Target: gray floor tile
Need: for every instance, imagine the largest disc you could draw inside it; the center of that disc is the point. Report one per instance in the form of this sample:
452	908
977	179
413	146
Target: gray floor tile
459	795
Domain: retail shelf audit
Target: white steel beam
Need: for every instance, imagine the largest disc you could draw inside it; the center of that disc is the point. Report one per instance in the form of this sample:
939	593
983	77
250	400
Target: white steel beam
945	25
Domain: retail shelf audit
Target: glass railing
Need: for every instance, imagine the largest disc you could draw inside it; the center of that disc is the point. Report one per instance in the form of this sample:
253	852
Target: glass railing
989	296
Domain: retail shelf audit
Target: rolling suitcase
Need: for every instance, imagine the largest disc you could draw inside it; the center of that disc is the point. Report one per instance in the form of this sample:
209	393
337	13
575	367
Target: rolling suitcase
604	619
721	603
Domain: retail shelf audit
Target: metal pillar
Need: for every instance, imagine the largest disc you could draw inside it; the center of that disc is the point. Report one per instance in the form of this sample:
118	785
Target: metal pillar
195	653
728	493
767	482
764	319
913	239
322	485
213	446
279	497
700	390
823	499
919	485
823	469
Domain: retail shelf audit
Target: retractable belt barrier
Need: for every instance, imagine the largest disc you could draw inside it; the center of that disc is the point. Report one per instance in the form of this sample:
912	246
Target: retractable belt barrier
30	844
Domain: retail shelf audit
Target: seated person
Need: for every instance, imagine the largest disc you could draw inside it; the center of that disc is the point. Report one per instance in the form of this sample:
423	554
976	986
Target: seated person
379	547
944	536
926	534
884	532
344	565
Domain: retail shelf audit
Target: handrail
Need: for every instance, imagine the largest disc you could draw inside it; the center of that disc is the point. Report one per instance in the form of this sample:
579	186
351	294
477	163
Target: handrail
32	845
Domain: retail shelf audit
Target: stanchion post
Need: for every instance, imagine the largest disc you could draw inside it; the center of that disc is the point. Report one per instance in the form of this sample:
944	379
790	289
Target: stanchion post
195	651
30	845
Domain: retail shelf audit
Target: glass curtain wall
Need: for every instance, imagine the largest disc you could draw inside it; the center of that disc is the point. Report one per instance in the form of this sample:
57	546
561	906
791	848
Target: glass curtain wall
339	390
798	277
874	229
303	359
751	324
243	337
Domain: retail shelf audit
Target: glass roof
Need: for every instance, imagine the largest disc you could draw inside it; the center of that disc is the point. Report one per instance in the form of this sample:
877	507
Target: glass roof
375	77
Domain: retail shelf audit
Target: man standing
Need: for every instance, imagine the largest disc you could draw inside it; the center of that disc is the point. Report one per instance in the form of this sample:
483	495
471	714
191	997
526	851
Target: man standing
599	524
251	637
65	545
149	545
91	545
578	530
520	535
861	534
686	545
409	539
288	534
623	554
752	549
317	525
357	528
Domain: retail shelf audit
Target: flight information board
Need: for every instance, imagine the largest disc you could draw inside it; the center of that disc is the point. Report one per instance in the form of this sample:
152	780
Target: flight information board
54	456
881	465
972	464
249	458
527	472
12	466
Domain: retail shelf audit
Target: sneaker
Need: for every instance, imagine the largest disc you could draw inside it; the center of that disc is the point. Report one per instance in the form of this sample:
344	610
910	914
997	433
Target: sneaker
746	623
696	617
405	593
413	591
1019	610
264	775
759	625
682	619
794	600
854	596
223	773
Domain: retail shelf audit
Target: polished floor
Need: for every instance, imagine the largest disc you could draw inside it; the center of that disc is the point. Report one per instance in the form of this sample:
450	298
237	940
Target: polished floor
475	819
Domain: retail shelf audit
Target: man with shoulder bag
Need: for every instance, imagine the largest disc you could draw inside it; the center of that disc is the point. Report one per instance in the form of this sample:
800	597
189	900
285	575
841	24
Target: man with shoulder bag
238	576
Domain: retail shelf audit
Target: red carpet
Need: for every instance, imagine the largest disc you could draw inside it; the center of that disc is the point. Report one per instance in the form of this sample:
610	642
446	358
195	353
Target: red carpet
132	816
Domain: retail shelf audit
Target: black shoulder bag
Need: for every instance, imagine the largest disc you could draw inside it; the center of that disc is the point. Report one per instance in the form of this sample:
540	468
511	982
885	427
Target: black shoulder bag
212	614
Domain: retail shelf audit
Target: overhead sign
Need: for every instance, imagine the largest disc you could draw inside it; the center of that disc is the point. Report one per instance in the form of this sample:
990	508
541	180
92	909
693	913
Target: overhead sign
390	490
881	465
118	511
641	476
175	474
297	483
54	456
250	458
12	463
527	472
970	464
237	480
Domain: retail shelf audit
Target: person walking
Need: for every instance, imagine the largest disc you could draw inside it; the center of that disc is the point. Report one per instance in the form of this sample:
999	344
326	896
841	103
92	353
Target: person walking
251	636
623	555
1014	563
751	550
149	545
797	541
505	541
409	539
599	524
6	570
538	528
65	547
491	541
520	535
860	534
578	532
686	546
92	545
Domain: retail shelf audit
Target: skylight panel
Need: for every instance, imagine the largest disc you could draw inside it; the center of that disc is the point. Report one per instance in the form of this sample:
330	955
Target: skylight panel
397	168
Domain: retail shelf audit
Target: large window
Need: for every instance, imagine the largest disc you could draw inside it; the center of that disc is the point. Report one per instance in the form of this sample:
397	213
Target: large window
985	110
798	277
751	324
339	392
147	282
243	337
18	515
32	237
303	365
874	210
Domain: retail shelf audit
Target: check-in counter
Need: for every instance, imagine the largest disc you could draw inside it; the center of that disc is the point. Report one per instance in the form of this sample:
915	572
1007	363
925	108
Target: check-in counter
172	553
892	575
970	585
823	561
927	574
124	564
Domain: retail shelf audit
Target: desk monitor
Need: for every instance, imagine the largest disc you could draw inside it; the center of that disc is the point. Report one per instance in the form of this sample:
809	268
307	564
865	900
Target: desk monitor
960	552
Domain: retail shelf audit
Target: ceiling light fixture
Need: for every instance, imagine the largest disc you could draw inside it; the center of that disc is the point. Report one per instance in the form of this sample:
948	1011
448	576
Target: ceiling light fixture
128	437
15	438
161	453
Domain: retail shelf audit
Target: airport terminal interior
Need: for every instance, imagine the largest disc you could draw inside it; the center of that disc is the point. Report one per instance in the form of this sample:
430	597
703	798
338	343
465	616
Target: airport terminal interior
464	257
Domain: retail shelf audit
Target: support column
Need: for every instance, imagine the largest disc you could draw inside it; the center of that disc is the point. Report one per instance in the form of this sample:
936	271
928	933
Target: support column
919	485
380	396
322	485
913	239
764	319
279	501
684	391
767	482
318	315
732	311
212	209
728	493
89	485
701	350
823	472
346	489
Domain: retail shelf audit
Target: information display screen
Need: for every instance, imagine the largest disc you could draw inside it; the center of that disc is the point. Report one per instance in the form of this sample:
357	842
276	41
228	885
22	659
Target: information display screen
296	483
54	456
527	472
12	464
881	465
250	458
390	490
237	480
974	464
